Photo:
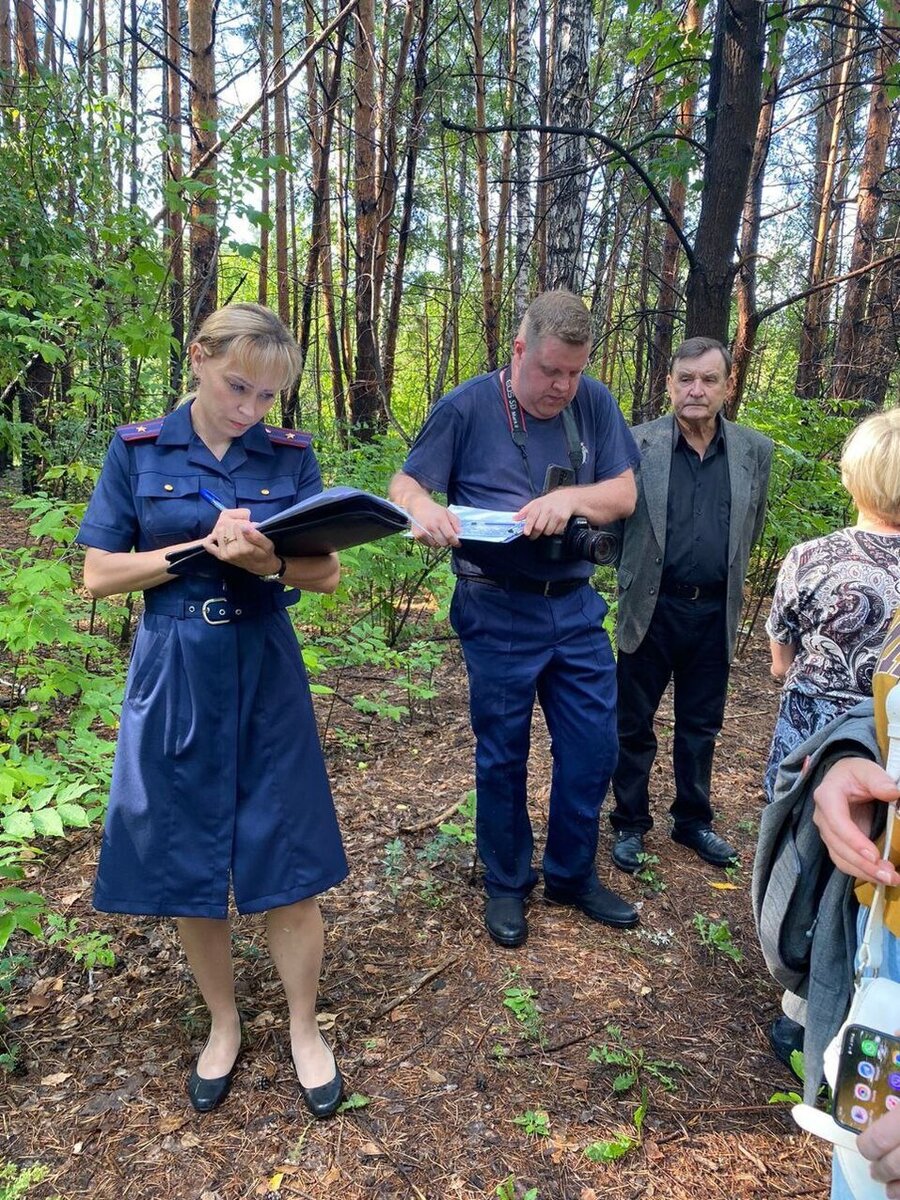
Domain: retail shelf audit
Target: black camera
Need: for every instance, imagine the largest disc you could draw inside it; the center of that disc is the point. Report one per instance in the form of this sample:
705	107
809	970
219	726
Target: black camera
581	540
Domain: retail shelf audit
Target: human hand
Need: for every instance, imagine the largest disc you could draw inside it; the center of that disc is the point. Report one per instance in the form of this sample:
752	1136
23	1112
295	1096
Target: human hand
548	515
237	541
880	1143
843	816
433	524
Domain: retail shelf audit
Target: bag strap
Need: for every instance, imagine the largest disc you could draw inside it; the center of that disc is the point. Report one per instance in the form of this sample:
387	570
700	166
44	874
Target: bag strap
870	950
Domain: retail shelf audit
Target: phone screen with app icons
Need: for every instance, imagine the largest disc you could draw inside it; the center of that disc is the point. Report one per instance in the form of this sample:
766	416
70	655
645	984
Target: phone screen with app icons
868	1080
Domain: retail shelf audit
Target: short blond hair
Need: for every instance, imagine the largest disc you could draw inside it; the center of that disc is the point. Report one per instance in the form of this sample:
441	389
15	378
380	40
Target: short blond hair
255	337
558	313
870	465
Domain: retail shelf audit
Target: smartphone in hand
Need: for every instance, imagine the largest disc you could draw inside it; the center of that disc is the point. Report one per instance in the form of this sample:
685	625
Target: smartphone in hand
868	1077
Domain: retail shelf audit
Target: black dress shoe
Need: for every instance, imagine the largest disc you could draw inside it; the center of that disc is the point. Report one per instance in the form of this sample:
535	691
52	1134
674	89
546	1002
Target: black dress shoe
322	1101
786	1036
207	1094
600	904
504	918
627	850
707	844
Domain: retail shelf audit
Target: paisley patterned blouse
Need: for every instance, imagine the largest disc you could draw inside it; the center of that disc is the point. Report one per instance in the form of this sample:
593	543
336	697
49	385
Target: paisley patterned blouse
834	599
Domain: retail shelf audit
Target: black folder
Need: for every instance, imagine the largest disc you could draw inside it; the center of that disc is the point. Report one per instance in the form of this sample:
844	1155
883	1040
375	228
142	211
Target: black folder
332	520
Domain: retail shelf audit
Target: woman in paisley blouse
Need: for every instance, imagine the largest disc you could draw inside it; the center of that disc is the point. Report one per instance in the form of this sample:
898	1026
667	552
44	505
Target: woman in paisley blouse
835	596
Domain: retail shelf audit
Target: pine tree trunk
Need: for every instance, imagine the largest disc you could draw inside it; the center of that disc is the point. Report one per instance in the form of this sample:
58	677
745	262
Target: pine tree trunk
735	94
850	369
173	221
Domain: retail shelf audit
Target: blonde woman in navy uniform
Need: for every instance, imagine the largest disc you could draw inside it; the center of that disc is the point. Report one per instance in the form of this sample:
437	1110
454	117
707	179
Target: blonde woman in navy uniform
219	779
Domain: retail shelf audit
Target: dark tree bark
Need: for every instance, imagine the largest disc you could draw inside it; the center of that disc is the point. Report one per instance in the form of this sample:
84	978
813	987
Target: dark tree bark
366	410
668	299
204	117
735	93
173	221
747	314
569	106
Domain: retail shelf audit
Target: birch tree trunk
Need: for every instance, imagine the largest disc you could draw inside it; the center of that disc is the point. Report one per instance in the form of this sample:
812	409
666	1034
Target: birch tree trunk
204	118
569	107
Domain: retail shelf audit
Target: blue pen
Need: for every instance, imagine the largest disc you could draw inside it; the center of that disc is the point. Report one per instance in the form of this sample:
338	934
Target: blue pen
213	499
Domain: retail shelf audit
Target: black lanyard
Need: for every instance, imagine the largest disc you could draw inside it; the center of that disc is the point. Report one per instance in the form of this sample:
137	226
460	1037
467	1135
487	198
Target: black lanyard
519	433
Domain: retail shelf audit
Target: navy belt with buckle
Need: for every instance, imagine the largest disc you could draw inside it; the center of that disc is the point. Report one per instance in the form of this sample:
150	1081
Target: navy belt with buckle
216	610
694	591
521	583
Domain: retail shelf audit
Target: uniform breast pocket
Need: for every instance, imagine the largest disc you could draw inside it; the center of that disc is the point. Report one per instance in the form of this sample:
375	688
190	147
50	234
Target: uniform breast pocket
265	497
169	507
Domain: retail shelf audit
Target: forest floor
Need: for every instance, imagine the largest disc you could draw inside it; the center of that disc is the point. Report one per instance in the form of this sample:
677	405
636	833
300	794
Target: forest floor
457	1096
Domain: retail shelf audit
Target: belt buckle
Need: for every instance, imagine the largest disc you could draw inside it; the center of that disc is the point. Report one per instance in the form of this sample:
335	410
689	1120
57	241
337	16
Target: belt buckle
547	588
205	613
695	591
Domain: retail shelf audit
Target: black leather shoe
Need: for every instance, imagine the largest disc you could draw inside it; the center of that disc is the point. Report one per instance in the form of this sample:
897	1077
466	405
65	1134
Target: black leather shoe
708	845
207	1094
786	1036
504	918
628	846
322	1101
600	904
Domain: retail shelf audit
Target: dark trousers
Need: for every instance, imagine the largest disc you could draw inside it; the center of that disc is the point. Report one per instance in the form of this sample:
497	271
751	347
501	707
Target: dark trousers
685	643
519	647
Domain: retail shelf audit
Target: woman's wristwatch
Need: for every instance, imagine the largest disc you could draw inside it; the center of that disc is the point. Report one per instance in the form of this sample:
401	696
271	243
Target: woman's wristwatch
276	576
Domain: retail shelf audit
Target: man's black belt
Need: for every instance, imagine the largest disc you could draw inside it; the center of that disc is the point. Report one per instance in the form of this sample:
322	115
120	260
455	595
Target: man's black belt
694	591
521	583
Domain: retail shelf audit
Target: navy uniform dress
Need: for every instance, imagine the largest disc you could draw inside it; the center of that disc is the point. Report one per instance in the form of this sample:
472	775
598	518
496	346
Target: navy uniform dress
219	777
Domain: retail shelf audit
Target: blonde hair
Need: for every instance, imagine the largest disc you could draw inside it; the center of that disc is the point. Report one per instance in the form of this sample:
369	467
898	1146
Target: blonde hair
870	465
257	340
560	314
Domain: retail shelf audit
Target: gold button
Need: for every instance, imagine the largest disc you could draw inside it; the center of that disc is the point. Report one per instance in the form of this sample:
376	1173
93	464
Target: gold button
168	487
264	491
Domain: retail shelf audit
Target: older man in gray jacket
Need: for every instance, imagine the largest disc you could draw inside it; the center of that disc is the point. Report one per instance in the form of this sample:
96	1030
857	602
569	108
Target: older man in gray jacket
701	504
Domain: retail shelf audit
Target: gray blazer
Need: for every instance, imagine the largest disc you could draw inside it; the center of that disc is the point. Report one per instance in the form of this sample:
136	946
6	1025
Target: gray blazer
643	534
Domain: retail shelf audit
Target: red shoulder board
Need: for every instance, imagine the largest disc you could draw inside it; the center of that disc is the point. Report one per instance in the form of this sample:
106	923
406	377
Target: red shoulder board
289	437
140	431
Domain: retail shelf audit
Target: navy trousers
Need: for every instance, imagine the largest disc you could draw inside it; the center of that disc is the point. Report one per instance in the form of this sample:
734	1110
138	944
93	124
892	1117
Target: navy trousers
519	646
685	643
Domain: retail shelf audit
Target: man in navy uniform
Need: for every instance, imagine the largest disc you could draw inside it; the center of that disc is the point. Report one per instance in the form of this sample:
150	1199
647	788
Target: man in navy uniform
684	551
539	439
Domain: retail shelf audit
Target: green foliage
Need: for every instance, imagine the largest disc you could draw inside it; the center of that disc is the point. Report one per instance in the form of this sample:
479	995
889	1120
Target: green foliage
88	948
648	875
508	1189
535	1122
394	864
623	1142
10	966
634	1063
462	831
717	937
353	1101
16	1181
520	1000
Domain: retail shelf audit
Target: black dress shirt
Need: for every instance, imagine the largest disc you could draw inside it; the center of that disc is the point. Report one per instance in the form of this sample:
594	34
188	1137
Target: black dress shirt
698	514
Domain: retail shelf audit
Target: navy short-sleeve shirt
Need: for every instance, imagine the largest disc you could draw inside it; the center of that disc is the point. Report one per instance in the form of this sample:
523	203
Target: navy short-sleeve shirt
148	494
465	450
